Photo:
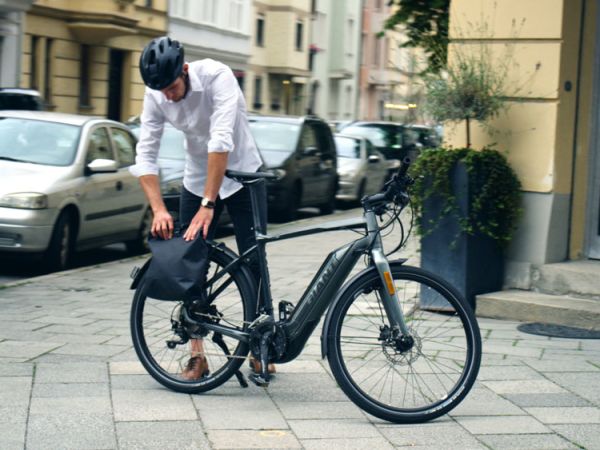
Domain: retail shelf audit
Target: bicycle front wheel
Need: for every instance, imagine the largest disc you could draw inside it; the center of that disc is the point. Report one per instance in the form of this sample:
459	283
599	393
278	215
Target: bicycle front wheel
165	339
390	378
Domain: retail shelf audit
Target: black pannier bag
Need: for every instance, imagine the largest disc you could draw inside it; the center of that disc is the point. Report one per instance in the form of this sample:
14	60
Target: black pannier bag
177	270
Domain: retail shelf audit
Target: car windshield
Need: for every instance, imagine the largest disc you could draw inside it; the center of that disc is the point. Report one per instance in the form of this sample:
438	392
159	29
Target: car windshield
38	142
380	135
275	136
171	143
347	147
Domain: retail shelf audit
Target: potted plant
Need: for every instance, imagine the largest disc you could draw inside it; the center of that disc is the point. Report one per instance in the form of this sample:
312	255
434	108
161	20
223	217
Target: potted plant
467	201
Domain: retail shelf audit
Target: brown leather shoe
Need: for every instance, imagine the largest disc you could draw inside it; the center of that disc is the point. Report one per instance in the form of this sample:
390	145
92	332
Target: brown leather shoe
196	368
255	365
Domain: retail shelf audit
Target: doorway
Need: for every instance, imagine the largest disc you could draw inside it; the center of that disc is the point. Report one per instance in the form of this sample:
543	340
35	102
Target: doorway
115	84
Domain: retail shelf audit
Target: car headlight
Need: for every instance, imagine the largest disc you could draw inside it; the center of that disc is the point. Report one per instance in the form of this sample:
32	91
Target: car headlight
24	200
172	187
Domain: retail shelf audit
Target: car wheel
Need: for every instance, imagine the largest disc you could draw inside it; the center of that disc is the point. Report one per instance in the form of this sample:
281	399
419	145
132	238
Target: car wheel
62	244
140	243
329	206
290	210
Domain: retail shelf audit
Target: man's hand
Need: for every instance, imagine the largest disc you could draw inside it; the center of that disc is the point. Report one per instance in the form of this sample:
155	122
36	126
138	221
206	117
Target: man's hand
199	223
162	225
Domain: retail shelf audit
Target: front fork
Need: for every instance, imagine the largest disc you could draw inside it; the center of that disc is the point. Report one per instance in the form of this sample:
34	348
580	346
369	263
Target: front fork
389	295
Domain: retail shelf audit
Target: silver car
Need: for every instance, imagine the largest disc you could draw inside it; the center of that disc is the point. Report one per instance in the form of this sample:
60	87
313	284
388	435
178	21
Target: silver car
65	186
361	168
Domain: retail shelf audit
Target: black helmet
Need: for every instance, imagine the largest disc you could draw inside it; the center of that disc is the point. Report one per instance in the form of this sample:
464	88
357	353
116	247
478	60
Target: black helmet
161	62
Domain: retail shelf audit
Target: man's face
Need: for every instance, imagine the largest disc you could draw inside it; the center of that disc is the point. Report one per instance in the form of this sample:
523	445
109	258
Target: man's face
176	90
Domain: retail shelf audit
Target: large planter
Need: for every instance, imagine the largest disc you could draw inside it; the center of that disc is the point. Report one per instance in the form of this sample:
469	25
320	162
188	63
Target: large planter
473	264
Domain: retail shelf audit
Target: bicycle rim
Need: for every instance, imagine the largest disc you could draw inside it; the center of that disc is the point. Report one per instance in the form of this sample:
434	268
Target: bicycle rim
405	385
157	323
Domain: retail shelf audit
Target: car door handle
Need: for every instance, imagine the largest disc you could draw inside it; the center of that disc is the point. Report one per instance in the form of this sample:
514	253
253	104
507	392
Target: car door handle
119	185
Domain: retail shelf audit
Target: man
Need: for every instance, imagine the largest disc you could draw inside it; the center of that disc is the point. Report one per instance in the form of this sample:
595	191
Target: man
203	100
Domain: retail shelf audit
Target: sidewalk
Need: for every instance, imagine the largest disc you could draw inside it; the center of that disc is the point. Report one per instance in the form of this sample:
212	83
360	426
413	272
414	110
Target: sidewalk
69	378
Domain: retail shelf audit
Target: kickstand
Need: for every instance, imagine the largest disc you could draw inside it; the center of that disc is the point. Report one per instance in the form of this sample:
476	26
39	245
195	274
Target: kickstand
218	339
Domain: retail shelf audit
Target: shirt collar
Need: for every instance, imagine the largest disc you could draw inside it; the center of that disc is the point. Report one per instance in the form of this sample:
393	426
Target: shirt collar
195	83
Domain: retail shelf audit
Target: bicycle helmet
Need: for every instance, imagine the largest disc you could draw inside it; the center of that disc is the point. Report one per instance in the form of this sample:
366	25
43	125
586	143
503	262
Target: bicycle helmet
161	62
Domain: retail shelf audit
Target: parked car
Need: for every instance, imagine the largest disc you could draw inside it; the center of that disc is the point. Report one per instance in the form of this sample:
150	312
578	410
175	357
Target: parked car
171	163
361	168
428	137
20	99
65	186
393	140
301	151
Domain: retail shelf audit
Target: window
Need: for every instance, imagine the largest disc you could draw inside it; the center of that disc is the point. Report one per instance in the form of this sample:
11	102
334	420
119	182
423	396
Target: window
84	77
99	146
34	70
260	31
376	51
125	147
257	92
349	38
308	138
236	15
48	70
148	3
299	33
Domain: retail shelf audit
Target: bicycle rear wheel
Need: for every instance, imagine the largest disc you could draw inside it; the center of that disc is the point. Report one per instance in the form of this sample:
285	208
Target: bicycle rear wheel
157	326
383	376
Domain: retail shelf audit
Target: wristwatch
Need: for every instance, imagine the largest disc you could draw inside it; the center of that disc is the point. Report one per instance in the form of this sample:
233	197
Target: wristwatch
207	203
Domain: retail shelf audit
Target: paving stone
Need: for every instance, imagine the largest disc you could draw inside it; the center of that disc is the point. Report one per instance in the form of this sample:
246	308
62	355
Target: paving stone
508	373
585	436
483	402
502	425
441	435
54	358
12	436
89	349
554	365
74	423
524	387
49	390
526	442
301	366
26	349
245	439
319	410
15	369
126	368
583	384
151	405
347	444
556	415
561	399
15	390
130	382
161	435
509	349
305	388
332	428
71	373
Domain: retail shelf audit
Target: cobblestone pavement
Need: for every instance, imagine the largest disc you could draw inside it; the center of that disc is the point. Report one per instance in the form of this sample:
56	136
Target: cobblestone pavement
69	378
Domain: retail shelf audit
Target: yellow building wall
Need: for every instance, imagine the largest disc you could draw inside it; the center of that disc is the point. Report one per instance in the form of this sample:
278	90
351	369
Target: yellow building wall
539	52
51	19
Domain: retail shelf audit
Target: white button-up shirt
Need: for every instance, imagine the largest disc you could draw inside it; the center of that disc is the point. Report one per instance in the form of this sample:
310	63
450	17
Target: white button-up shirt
213	117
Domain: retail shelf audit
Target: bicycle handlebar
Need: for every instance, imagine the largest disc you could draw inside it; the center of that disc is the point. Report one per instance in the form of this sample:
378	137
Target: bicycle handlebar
394	190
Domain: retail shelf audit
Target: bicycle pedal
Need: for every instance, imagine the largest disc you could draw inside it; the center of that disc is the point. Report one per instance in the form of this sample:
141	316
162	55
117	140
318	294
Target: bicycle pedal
258	380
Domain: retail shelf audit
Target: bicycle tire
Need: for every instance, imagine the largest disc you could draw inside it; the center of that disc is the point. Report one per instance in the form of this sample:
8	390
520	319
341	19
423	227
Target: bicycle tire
150	332
437	363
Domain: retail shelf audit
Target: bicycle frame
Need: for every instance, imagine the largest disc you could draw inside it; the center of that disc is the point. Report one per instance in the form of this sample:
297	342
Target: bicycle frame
321	291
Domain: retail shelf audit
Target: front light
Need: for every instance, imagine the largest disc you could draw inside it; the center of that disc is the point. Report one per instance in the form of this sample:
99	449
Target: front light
24	200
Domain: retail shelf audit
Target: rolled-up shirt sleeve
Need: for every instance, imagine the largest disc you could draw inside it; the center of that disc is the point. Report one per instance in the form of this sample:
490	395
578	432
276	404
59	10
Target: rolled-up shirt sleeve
225	96
149	142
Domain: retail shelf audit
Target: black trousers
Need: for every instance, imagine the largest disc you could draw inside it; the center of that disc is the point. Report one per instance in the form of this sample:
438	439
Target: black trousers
239	208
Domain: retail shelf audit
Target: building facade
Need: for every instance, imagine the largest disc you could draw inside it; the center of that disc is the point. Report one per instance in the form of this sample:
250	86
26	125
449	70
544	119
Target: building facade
278	76
12	13
214	29
334	59
551	128
83	56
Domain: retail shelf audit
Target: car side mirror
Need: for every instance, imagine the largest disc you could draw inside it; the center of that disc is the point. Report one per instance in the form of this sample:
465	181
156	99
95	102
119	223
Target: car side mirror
374	159
102	166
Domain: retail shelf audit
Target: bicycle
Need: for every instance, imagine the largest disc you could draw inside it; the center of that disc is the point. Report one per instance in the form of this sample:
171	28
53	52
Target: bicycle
393	359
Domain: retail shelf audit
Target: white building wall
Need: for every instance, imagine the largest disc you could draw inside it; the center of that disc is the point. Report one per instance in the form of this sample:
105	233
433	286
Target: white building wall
217	29
11	35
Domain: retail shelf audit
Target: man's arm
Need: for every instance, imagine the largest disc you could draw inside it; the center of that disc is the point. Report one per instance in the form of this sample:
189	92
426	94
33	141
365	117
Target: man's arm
217	164
162	223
